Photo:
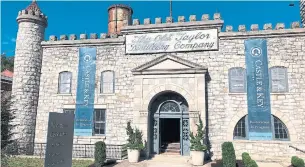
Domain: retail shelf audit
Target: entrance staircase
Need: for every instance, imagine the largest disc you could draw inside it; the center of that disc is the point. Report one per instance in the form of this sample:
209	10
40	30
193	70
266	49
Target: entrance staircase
170	148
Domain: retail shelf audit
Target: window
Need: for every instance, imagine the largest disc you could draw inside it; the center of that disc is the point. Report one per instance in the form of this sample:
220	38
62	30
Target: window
240	129
278	79
237	80
64	83
99	120
280	131
107	82
170	107
69	111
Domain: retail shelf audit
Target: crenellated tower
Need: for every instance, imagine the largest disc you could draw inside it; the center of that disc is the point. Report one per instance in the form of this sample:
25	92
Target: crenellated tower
28	58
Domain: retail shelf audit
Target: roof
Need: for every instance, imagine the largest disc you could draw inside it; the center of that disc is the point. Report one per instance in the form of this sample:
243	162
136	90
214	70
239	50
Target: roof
7	73
34	7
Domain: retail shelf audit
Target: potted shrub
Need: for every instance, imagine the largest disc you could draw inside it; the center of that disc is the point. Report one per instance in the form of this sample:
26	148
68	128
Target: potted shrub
198	147
134	143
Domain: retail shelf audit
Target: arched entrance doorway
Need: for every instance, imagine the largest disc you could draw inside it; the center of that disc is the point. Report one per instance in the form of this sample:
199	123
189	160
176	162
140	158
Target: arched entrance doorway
169	124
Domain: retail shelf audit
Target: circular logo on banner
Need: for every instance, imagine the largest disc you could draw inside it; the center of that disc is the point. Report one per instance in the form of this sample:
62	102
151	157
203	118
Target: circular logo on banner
87	58
256	52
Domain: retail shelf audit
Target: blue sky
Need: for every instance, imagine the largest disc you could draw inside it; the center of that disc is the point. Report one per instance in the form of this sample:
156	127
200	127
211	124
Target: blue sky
68	17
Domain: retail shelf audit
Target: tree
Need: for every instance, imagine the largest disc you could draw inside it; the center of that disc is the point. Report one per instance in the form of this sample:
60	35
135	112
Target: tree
7	116
7	62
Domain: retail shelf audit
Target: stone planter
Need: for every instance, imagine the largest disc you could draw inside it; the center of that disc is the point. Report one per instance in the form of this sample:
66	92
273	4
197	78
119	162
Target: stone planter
197	157
133	155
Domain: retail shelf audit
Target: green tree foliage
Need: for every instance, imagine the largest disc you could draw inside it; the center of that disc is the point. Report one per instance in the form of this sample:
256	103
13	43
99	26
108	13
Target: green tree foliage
228	155
134	140
197	141
7	62
7	116
100	154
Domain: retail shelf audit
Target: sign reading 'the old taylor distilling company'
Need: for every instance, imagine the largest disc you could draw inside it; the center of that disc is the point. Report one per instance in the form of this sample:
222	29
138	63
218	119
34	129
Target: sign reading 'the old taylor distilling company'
172	41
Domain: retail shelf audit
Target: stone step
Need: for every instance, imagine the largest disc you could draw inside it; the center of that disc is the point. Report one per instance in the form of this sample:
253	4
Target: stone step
170	150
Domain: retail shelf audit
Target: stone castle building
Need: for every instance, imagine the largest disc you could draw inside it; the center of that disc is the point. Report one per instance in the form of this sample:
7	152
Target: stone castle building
192	69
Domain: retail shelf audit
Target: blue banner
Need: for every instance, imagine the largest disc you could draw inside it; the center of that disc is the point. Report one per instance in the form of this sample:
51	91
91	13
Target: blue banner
83	123
258	94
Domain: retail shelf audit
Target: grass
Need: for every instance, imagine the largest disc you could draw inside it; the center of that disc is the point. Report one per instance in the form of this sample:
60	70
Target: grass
36	162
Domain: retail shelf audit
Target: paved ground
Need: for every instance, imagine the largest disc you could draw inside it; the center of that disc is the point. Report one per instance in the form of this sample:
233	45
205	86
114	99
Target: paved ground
177	161
171	164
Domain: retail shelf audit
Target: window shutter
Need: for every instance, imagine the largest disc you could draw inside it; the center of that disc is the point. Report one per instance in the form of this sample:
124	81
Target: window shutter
237	80
279	82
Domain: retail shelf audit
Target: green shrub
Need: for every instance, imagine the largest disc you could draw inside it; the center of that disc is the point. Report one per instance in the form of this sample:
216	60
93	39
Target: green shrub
99	153
228	155
297	162
293	159
246	158
134	140
252	163
197	140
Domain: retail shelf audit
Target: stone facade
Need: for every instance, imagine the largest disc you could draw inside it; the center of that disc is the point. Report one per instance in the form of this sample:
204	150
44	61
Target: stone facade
207	91
26	81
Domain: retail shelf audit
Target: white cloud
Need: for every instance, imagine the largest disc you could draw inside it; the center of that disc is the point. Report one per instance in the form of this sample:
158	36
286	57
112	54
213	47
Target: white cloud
13	39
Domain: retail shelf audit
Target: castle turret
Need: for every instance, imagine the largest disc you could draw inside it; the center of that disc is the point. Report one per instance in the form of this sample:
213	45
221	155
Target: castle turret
27	67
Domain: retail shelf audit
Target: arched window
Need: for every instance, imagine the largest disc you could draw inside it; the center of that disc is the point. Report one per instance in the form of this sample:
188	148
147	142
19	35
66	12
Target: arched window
278	79
237	80
280	131
64	82
169	106
107	82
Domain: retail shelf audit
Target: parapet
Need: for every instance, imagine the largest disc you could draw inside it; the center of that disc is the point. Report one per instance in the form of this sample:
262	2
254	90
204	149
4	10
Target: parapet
204	22
169	24
73	37
268	26
93	38
32	16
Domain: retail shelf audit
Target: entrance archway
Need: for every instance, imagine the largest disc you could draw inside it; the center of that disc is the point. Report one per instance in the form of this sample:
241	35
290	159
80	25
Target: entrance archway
169	124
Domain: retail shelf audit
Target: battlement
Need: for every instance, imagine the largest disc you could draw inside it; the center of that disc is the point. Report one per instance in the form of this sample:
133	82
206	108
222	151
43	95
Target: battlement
182	25
73	37
92	39
205	22
31	15
268	26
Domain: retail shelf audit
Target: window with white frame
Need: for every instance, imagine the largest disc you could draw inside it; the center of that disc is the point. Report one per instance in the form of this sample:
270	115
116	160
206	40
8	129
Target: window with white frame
280	131
107	82
278	80
64	82
99	120
237	80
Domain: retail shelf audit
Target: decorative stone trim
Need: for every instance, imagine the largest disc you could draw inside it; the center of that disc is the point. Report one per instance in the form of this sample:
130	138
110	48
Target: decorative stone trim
141	68
168	87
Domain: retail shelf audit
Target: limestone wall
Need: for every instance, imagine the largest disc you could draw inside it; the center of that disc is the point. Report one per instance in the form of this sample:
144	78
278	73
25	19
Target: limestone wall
25	88
286	47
